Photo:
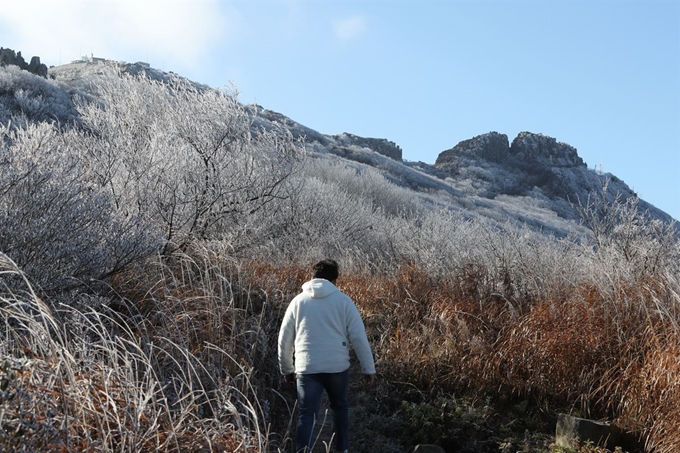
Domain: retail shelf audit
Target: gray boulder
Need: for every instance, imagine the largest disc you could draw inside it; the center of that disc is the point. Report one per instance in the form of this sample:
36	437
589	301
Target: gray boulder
574	431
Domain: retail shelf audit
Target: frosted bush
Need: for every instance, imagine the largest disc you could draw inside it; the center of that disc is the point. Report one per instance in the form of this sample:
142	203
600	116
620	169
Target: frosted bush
33	98
55	222
185	156
322	219
366	183
625	240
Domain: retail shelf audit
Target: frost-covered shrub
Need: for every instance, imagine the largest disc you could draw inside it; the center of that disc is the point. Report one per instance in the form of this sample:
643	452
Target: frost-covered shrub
322	219
29	97
56	223
625	239
186	157
365	182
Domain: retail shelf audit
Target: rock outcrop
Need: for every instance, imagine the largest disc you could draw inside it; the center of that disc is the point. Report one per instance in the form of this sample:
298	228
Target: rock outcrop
572	432
9	57
492	146
526	148
534	165
379	145
538	147
341	143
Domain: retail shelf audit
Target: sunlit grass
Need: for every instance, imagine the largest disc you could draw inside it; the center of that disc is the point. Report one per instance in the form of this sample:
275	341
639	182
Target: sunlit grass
583	349
185	359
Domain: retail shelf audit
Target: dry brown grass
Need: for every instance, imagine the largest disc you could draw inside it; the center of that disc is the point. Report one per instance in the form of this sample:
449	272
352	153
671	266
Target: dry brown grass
188	363
176	378
604	353
586	347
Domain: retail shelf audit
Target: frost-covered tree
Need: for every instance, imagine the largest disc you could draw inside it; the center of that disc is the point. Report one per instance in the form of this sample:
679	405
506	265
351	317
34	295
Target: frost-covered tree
185	156
56	223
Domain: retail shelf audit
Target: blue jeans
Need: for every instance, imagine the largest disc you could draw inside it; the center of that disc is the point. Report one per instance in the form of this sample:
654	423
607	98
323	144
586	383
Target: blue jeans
310	388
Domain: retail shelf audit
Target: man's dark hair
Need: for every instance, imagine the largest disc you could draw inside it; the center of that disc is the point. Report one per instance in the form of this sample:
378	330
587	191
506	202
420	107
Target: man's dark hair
327	269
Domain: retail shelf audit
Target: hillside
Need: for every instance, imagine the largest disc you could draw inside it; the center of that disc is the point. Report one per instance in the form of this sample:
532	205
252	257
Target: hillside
154	230
537	181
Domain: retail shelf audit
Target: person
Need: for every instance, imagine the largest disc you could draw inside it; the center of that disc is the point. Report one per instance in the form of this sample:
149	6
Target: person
313	350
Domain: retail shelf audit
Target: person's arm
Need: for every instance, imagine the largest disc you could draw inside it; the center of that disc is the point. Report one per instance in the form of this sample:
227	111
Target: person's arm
286	344
357	336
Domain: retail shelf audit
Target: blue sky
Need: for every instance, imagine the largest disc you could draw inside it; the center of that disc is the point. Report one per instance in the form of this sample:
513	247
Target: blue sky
600	75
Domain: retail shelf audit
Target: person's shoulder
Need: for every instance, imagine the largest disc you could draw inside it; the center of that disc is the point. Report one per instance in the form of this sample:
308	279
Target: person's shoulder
340	293
345	298
300	296
296	300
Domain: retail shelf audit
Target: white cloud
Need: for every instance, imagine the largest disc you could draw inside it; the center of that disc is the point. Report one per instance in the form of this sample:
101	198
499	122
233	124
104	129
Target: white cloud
351	28
180	32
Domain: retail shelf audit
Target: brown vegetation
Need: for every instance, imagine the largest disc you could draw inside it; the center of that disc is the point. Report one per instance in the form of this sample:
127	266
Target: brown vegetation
147	258
213	322
604	355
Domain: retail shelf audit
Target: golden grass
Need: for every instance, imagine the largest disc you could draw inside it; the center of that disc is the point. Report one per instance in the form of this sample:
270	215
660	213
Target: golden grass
605	353
189	363
593	351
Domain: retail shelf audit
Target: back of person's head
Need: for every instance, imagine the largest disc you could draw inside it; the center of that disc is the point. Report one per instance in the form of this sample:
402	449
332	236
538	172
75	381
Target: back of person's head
326	269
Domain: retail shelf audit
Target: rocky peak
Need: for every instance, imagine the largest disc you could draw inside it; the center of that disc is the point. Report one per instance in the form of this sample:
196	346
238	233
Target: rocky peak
492	146
534	162
526	149
532	147
9	57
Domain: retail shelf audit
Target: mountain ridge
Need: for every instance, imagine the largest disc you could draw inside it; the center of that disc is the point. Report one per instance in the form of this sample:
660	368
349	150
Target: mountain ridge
479	175
534	165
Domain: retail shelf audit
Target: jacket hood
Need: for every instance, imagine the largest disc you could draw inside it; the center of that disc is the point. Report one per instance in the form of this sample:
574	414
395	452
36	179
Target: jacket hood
319	288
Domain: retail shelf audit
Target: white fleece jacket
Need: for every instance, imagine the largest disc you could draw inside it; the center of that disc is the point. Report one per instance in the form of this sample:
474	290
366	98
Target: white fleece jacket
318	327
